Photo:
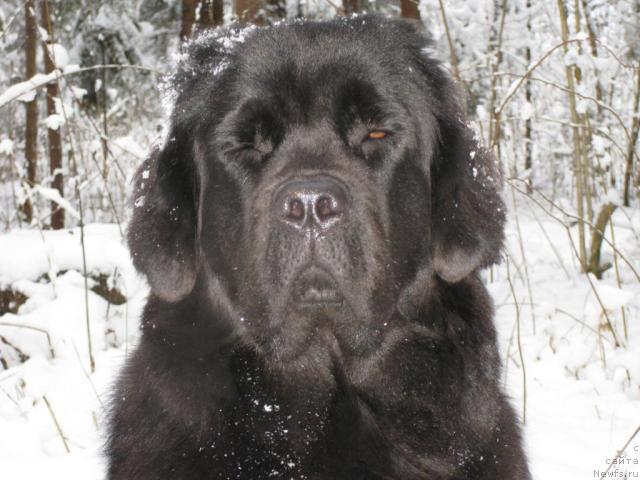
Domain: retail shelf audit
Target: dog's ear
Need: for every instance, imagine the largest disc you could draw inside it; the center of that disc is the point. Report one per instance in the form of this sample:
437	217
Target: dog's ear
162	231
468	213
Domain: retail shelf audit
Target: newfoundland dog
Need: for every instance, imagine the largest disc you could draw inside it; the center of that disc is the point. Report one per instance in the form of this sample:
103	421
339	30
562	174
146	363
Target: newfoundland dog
312	229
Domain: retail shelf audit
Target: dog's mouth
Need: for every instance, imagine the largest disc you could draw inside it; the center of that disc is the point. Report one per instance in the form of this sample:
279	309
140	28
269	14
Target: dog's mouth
314	287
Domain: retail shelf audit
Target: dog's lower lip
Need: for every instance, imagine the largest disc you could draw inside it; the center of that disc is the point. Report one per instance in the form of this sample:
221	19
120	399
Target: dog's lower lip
317	296
316	287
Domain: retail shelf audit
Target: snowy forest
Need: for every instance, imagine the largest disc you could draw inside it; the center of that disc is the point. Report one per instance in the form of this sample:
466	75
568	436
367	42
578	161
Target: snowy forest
552	87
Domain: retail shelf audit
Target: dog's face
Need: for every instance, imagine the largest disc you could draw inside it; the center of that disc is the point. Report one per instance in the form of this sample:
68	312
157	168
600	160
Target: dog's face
317	181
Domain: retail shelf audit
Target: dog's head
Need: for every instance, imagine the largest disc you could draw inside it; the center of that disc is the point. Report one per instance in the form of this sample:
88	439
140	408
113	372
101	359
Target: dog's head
317	178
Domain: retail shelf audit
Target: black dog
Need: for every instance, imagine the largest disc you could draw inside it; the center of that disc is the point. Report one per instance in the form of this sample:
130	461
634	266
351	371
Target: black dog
312	231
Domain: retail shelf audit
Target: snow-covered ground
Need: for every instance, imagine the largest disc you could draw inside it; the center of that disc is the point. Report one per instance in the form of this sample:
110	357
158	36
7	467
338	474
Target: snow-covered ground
582	393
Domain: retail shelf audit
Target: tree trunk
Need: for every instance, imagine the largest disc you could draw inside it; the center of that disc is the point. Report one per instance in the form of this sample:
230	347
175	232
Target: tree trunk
218	12
594	48
210	14
495	59
31	129
588	178
578	164
55	146
188	18
528	141
596	239
249	11
206	17
631	147
351	6
409	9
276	9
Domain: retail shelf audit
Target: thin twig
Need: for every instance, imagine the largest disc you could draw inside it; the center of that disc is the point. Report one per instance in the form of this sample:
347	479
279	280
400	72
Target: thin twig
599	103
86	375
524	259
620	452
551	245
513	90
452	50
618	281
569	215
59	74
55	421
524	370
37	329
92	362
594	290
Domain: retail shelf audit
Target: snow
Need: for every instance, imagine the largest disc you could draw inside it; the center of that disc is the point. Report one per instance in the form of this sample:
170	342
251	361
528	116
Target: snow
613	197
583	393
219	68
54	121
26	91
78	92
129	145
571	57
54	195
139	201
582	36
582	405
31	445
59	55
613	298
28	254
44	35
526	111
6	146
28	95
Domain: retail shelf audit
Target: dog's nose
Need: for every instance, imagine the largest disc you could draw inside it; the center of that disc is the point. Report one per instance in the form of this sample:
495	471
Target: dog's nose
311	203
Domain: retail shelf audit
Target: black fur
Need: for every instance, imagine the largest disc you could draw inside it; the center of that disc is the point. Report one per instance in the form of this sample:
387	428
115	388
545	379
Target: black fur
233	377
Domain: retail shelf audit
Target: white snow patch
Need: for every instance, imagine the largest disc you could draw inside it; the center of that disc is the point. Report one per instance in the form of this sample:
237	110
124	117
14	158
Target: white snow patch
26	91
54	121
59	55
139	201
526	111
26	254
78	92
54	195
129	145
582	36
220	67
610	298
6	146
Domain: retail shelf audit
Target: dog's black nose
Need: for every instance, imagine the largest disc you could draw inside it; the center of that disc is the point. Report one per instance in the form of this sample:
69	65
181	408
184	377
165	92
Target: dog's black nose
311	203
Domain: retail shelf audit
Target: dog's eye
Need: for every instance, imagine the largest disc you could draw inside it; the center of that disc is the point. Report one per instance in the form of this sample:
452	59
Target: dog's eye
254	156
376	135
247	155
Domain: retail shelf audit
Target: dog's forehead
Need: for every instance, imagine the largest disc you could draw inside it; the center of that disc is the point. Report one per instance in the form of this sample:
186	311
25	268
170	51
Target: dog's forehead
310	70
369	46
318	55
301	70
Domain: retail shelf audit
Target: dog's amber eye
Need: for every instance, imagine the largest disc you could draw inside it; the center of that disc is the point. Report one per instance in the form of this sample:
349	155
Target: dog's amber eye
376	135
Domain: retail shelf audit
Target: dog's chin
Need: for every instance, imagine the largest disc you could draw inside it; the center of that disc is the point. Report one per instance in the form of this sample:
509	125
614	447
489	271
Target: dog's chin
303	329
315	291
314	312
300	324
287	344
307	330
